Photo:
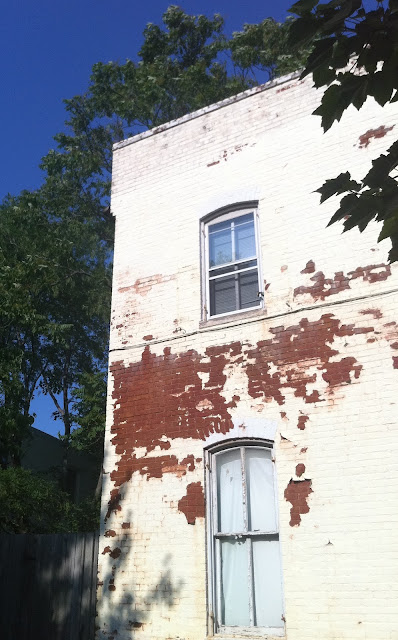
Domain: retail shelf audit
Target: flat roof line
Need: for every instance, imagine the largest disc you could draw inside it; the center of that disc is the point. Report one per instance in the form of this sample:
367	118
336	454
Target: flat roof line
201	112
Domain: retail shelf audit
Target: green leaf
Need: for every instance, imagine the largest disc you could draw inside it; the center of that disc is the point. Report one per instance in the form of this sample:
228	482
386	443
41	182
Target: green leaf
390	227
303	30
337	185
303	6
333	105
381	86
321	52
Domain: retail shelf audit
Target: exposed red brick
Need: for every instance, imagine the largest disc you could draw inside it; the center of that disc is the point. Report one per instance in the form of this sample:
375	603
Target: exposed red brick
142	286
293	350
376	313
115	553
153	467
110	533
192	505
380	132
148	337
297	493
309	267
300	469
339	372
144	419
395	362
112	587
114	503
189	462
371	273
302	422
125	525
324	287
304	450
211	164
284	88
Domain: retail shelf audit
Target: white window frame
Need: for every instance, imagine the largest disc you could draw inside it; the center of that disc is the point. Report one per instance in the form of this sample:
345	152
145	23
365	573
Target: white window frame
228	213
214	626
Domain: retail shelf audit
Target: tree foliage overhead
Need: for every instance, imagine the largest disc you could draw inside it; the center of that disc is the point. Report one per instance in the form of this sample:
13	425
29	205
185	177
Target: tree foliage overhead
265	47
355	56
56	243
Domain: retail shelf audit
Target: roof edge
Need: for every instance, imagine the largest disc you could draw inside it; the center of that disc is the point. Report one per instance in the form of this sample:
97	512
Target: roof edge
201	112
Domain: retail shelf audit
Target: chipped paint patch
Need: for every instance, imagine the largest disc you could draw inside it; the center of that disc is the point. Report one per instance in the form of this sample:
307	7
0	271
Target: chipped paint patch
170	411
324	287
192	505
380	132
284	361
309	267
300	469
301	422
297	493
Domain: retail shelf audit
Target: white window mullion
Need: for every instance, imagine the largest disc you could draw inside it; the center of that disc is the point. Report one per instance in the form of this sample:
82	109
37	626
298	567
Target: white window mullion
218	582
248	539
207	269
244	488
250	580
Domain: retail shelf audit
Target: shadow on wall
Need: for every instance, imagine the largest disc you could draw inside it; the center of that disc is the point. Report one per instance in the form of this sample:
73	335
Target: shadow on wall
120	613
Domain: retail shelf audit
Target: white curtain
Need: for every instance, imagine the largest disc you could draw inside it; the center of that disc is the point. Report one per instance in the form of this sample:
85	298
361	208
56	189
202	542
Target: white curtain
234	573
267	583
260	489
230	498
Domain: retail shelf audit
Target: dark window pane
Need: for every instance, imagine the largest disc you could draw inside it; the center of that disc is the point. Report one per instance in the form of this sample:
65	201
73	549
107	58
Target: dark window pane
232	268
222	295
248	289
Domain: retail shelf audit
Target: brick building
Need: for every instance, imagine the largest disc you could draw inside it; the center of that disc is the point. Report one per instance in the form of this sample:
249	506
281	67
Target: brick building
250	461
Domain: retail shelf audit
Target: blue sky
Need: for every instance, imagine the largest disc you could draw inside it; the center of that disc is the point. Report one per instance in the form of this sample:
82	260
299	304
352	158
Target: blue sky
47	50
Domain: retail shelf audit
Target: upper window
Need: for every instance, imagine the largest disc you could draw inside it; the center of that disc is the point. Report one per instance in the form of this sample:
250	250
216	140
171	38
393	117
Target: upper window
232	263
245	593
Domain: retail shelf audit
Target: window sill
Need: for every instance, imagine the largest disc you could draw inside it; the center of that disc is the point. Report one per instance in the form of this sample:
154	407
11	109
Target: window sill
235	318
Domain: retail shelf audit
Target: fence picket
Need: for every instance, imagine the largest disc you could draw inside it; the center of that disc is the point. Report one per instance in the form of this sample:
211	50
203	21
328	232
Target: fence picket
48	586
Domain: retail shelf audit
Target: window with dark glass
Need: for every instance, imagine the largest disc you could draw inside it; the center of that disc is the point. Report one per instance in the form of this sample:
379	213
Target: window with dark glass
232	269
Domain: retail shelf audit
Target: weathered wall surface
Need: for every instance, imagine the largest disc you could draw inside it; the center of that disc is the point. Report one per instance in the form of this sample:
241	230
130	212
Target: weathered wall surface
316	371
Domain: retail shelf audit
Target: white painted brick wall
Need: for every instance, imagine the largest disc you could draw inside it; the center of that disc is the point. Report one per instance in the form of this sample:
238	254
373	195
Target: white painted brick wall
340	564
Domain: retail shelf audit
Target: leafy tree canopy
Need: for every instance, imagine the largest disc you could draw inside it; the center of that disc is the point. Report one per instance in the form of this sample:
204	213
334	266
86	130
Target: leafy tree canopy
30	503
56	243
355	56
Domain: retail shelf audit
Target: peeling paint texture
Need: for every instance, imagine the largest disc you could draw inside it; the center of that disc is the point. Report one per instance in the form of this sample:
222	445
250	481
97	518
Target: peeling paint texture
312	374
297	492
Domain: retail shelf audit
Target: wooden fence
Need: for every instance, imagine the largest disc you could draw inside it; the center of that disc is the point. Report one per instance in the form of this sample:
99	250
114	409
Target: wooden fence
48	586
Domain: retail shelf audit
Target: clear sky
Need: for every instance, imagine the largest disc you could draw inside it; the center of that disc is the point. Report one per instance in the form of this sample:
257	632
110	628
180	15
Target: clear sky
47	49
